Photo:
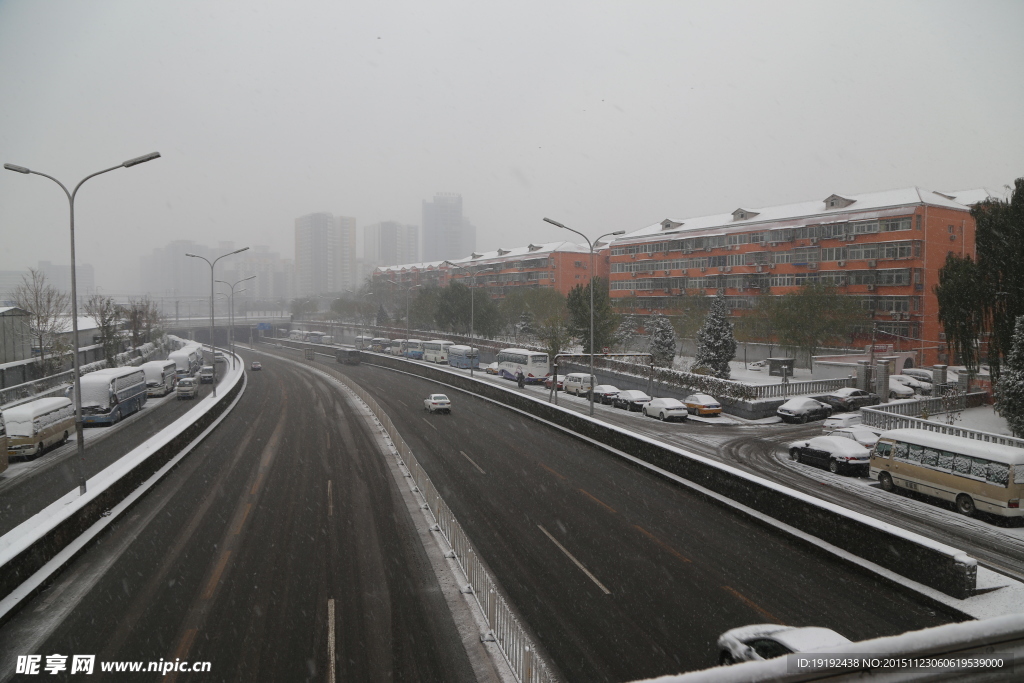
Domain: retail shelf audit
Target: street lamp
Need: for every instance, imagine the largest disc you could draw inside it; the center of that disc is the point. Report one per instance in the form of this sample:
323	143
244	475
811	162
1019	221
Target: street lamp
80	437
231	314
471	283
408	291
213	351
591	245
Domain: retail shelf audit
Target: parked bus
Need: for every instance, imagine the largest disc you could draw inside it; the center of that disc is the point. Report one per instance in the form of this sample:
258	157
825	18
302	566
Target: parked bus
186	360
296	335
111	394
532	364
348	356
462	356
436	350
397	347
35	426
412	348
161	376
380	344
3	444
975	475
363	341
314	337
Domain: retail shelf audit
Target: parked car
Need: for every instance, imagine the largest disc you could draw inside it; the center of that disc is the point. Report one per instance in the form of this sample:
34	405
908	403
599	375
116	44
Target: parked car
219	357
437	403
188	387
767	641
256	365
578	383
919	374
491	369
919	386
702	404
632	400
605	393
206	374
548	380
898	390
802	410
757	365
833	452
840	421
666	409
850	398
865	436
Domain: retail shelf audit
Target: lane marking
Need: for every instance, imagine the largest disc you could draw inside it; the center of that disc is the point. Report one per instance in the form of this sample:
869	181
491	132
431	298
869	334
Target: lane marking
557	474
330	506
186	643
471	460
574	560
672	551
256	485
402	402
215	579
752	605
330	639
597	500
428	422
241	521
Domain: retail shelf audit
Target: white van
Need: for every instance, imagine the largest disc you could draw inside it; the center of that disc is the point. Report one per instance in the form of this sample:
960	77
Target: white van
578	383
161	376
35	426
839	421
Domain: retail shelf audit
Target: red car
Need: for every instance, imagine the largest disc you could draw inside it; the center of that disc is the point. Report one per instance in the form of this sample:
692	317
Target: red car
547	382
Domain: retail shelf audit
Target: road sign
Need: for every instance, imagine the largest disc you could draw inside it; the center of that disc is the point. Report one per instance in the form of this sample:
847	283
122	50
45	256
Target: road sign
264	326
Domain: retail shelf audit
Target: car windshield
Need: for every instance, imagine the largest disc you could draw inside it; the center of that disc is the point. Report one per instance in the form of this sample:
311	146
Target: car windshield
439	397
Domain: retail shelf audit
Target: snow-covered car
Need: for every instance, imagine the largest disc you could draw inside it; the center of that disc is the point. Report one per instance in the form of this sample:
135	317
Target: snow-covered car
803	409
899	390
256	365
491	369
865	436
665	409
839	421
767	641
437	403
702	404
605	393
919	374
919	386
757	365
850	398
187	387
632	400
832	452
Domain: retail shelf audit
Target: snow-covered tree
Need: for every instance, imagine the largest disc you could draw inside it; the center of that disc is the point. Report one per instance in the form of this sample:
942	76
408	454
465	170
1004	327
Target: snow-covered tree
663	340
716	345
1010	388
627	331
383	320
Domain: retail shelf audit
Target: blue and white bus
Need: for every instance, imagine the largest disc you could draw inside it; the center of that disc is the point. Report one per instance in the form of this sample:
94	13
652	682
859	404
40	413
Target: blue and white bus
462	356
397	348
111	394
532	364
412	348
436	350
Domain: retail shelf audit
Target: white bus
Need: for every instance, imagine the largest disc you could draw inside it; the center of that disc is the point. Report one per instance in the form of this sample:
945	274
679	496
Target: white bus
412	348
462	356
436	350
532	364
397	347
35	426
161	376
975	475
111	394
363	341
186	360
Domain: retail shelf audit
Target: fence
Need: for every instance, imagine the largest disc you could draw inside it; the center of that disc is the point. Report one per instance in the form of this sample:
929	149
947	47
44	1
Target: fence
515	645
906	415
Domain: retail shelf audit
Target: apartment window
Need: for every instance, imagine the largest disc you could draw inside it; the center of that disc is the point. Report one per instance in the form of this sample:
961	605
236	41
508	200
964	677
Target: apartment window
951	230
865	227
896	224
918	220
783	256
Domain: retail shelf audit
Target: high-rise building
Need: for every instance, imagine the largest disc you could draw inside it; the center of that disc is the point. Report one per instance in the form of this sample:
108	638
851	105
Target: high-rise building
325	254
389	243
60	277
446	233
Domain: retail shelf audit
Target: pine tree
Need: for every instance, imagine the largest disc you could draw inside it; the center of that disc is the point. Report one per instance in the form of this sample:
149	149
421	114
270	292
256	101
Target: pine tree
382	317
1010	388
627	331
663	340
716	345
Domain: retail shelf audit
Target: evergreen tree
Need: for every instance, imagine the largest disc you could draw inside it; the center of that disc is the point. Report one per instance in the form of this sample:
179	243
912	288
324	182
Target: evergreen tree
1010	388
716	345
605	319
961	295
663	340
382	317
627	331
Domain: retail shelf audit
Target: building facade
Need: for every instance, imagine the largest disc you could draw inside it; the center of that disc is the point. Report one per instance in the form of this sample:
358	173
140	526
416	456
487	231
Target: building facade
325	254
447	234
884	248
389	243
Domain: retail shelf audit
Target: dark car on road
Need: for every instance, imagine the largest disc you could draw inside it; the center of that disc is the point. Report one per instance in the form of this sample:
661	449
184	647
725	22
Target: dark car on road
851	399
605	393
632	400
803	409
834	452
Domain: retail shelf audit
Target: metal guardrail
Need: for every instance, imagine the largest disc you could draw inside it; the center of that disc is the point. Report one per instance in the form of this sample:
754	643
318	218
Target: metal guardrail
906	415
814	386
512	639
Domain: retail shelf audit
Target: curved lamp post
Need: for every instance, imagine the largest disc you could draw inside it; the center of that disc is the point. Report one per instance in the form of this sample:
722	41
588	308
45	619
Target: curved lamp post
591	245
79	436
231	314
213	351
471	283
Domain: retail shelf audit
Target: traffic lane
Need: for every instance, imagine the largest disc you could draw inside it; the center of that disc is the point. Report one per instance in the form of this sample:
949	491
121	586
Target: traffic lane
28	486
232	568
678	570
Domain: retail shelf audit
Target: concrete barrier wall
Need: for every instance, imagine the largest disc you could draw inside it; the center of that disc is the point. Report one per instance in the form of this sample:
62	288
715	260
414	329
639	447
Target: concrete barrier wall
32	558
930	563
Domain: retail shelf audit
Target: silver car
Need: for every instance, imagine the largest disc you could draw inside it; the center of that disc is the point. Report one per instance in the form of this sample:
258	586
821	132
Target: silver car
768	641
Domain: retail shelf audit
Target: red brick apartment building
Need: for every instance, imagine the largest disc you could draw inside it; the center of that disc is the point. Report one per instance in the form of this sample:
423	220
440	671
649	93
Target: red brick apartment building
560	265
884	248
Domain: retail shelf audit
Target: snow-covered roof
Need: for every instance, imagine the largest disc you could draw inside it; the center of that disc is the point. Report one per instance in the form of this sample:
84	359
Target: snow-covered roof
5	310
972	197
529	251
872	204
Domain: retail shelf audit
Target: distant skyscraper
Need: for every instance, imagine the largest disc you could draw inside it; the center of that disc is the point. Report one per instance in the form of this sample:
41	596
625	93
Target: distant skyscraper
446	234
325	254
390	243
60	277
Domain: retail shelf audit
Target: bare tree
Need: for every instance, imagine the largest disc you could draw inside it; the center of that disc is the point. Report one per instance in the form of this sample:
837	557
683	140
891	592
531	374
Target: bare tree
141	317
49	321
108	316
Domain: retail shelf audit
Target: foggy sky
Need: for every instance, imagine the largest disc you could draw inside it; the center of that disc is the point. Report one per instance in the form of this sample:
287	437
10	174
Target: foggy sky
603	116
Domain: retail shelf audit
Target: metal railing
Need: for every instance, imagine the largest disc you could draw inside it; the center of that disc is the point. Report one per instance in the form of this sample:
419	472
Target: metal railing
814	386
512	639
906	415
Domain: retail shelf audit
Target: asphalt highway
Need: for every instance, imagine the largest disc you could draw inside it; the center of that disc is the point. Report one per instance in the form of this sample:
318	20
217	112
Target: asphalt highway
285	515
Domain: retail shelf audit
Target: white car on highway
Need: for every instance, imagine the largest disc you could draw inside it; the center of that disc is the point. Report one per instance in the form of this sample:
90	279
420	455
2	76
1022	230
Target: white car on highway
437	403
768	641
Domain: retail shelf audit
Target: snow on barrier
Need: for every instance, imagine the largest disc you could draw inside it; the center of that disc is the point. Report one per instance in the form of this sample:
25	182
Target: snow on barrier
44	538
939	566
512	639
